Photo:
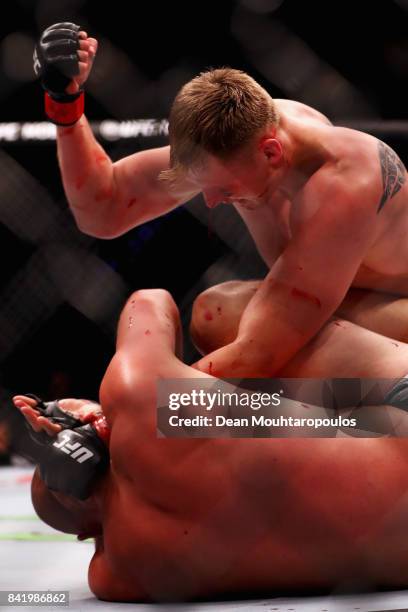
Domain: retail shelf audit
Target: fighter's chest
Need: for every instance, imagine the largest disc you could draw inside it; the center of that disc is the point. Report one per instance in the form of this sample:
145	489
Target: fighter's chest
271	229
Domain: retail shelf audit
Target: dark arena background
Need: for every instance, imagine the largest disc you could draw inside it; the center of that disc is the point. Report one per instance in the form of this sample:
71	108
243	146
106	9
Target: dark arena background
61	290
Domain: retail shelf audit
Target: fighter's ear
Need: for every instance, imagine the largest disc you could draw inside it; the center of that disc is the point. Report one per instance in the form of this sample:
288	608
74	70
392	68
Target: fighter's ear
272	149
49	509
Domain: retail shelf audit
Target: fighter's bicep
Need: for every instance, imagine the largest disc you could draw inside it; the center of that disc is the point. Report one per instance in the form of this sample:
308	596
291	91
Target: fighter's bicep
328	248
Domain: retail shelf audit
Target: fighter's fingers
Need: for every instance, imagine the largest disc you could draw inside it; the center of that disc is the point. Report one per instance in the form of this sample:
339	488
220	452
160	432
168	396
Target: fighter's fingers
50	428
30	413
82	34
39	422
84	44
93	46
83	56
31	418
23	400
89	43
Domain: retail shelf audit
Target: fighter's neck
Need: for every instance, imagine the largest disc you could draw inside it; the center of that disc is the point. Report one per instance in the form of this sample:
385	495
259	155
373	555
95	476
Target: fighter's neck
303	154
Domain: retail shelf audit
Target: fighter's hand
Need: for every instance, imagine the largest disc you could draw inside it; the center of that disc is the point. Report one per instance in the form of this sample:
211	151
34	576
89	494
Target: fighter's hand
80	409
26	405
50	421
86	55
63	58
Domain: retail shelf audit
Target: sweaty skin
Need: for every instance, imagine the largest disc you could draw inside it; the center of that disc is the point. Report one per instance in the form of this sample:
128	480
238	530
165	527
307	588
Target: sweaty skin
356	157
190	518
324	204
218	310
333	232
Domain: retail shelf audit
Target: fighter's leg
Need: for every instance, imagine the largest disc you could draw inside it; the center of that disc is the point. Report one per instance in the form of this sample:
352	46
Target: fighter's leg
383	313
341	349
217	312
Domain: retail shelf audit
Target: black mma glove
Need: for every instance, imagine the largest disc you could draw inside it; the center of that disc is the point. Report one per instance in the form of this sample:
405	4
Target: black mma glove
56	63
70	461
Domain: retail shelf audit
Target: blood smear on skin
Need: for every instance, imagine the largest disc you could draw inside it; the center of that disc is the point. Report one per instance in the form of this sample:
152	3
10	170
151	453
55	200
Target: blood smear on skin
307	296
235	364
100	158
81	180
67	131
105	194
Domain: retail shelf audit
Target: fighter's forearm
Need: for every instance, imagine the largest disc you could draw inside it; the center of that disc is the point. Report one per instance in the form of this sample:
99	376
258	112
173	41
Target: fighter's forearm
88	177
264	345
236	360
277	323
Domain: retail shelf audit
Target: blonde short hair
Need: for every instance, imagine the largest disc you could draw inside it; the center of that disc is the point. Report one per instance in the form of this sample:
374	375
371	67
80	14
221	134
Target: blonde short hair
217	112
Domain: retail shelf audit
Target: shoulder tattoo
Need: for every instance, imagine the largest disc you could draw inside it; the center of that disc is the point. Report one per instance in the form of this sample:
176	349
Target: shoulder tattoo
393	173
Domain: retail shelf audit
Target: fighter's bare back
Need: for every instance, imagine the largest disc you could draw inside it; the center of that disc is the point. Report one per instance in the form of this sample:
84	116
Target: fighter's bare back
260	515
199	518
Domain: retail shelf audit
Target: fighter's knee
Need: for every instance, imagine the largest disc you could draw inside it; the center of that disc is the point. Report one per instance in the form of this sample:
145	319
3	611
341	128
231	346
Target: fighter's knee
202	302
202	325
217	312
207	312
213	301
211	320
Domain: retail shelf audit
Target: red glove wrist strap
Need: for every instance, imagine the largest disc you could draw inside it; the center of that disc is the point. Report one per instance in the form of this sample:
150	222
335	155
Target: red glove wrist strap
64	113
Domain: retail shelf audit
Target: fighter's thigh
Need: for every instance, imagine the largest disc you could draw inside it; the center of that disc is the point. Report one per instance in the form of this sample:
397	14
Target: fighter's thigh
383	313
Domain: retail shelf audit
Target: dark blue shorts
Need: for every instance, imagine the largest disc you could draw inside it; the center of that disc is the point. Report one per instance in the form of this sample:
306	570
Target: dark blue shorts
398	395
